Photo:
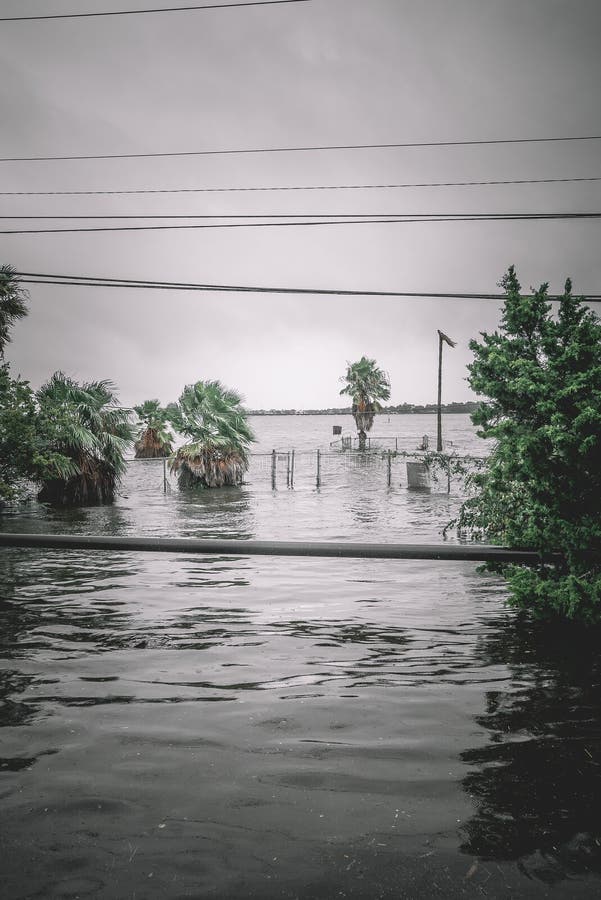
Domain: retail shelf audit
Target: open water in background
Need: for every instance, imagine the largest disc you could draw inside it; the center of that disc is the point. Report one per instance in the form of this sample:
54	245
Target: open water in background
180	726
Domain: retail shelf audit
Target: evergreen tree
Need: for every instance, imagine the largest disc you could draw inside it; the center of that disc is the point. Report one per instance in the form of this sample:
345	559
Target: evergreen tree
541	377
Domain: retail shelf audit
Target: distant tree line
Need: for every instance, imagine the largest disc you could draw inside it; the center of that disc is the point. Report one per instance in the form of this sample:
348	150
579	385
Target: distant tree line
469	406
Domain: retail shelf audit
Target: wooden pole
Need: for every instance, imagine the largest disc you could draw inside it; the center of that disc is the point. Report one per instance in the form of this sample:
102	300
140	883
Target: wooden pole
389	468
288	469
439	409
273	464
318	479
164	475
292	469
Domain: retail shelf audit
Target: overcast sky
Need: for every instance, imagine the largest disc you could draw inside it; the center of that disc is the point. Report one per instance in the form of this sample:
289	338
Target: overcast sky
298	74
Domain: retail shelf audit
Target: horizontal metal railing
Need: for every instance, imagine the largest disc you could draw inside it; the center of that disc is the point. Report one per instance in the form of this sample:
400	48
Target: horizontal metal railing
335	549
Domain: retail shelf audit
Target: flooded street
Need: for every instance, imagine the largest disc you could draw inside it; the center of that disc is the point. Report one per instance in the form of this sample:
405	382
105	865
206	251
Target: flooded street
179	726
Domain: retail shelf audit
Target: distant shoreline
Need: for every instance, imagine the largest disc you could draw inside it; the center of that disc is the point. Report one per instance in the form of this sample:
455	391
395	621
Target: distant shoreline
469	406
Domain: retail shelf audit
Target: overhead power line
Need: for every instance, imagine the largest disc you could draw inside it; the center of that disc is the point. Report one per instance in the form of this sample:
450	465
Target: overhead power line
323	222
223	152
377	216
311	187
396	216
102	281
139	12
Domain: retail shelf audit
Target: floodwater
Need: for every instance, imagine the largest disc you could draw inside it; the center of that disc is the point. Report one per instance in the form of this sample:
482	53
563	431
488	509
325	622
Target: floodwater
177	726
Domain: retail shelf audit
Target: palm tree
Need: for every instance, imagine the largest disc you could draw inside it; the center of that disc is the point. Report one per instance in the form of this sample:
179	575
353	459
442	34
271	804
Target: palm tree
89	433
220	436
154	438
366	384
13	303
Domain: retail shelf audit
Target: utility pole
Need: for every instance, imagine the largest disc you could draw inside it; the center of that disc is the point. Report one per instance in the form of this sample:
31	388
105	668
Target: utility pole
441	337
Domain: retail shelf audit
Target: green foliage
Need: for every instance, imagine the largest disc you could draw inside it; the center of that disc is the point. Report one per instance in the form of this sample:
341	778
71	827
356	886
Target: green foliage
13	303
89	434
152	415
212	417
69	437
541	376
26	456
17	434
154	438
366	384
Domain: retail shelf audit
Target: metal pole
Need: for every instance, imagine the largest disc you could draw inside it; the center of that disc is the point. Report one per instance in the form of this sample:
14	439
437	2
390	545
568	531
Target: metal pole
164	475
340	549
292	469
273	464
396	443
288	469
318	479
389	468
448	474
439	410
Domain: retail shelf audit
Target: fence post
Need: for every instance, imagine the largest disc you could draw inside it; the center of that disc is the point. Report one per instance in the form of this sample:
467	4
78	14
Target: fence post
273	464
164	475
292	469
288	469
396	443
448	474
318	479
389	468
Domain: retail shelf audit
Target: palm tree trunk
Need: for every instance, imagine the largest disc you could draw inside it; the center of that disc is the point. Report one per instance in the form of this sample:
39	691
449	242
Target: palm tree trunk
362	440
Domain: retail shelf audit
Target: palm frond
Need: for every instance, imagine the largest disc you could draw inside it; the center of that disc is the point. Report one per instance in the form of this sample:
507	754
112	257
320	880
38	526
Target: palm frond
13	303
366	384
88	427
220	436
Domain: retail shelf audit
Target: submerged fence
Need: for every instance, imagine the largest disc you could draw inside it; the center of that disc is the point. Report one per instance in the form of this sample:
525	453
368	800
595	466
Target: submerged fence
318	467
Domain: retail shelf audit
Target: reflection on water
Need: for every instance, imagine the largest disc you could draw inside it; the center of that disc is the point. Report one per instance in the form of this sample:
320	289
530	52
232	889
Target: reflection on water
225	513
538	780
14	712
